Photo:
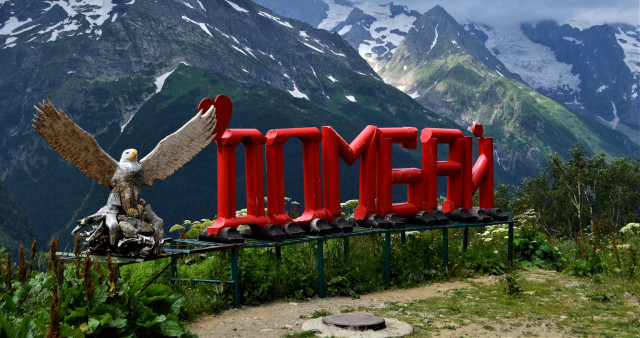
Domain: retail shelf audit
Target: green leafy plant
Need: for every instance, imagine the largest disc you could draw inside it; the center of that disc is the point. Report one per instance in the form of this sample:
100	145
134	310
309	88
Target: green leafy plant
89	302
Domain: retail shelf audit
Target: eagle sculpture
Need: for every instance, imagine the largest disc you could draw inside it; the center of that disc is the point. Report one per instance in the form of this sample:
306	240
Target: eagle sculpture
126	221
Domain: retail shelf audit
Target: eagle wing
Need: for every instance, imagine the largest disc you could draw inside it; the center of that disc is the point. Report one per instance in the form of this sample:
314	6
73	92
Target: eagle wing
177	149
73	143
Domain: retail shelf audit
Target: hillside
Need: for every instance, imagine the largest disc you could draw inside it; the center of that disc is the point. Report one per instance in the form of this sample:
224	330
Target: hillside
15	226
588	71
443	67
139	72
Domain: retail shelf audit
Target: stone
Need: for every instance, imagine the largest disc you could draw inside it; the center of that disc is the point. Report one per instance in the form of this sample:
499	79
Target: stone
146	228
394	328
355	321
128	230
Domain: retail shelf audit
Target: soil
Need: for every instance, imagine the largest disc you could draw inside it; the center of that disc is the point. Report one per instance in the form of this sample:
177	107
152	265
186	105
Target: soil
282	318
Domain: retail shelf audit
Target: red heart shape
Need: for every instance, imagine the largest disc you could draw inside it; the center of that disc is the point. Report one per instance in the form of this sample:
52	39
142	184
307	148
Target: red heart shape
223	112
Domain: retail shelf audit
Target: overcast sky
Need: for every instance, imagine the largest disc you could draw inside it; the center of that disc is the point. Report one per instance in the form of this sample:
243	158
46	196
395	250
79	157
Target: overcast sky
517	11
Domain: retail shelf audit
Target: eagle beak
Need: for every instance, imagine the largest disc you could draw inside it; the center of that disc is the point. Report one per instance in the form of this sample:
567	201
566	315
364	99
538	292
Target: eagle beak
134	155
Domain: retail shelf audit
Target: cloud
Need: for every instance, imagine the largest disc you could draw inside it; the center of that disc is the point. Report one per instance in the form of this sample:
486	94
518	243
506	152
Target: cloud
508	12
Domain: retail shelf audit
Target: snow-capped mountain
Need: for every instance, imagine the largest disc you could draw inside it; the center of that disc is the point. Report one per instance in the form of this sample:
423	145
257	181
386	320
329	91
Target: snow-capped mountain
131	72
593	70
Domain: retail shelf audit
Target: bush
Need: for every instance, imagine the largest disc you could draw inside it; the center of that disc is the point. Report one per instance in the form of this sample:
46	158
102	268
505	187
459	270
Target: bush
85	299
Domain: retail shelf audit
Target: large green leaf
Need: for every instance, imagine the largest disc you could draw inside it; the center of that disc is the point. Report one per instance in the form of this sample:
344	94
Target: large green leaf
68	331
77	313
154	321
170	328
6	329
27	328
8	305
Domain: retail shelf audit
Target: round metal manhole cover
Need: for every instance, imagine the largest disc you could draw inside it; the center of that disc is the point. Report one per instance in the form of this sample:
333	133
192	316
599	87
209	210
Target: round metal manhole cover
355	321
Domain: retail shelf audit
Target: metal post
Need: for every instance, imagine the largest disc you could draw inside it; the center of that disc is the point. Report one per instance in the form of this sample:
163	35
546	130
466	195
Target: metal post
510	244
403	237
445	248
174	268
235	278
387	257
465	239
278	253
320	269
345	246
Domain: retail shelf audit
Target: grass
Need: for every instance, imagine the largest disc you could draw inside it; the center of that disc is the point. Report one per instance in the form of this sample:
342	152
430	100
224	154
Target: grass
550	303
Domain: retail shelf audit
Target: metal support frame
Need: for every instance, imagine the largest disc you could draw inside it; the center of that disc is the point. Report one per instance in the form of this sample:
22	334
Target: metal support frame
200	247
445	249
320	246
387	257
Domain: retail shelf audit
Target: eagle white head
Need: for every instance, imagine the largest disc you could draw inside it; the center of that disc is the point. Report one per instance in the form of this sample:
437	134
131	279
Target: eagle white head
129	159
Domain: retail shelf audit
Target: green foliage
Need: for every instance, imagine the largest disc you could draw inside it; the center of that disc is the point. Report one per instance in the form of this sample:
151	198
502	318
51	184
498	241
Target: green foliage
111	308
569	195
512	283
586	268
15	226
531	247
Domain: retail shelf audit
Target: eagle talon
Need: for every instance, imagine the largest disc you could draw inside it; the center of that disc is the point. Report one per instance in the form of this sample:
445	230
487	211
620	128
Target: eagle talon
132	212
140	208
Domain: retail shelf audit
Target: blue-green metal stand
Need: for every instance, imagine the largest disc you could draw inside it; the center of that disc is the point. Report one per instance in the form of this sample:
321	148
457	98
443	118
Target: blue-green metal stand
387	257
235	278
445	248
320	268
510	244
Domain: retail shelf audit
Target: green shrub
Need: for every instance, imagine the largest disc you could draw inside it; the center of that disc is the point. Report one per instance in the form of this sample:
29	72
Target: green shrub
86	299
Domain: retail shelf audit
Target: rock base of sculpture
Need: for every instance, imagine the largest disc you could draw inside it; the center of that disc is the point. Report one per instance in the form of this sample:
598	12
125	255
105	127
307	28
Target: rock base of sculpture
115	232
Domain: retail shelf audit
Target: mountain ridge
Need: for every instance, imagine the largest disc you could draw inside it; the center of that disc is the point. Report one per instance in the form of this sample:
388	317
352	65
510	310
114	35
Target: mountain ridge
566	78
142	76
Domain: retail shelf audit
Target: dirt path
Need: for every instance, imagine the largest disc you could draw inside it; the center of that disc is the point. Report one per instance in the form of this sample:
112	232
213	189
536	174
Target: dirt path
278	319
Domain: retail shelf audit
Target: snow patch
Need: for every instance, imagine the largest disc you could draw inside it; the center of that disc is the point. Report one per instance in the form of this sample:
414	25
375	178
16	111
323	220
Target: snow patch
536	63
435	39
383	30
159	82
335	15
250	51
631	46
581	25
572	39
223	34
188	4
338	54
63	26
201	6
345	30
333	79
297	93
10	42
274	18
12	24
303	34
613	123
351	98
202	25
601	88
312	47
236	7
239	50
414	95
